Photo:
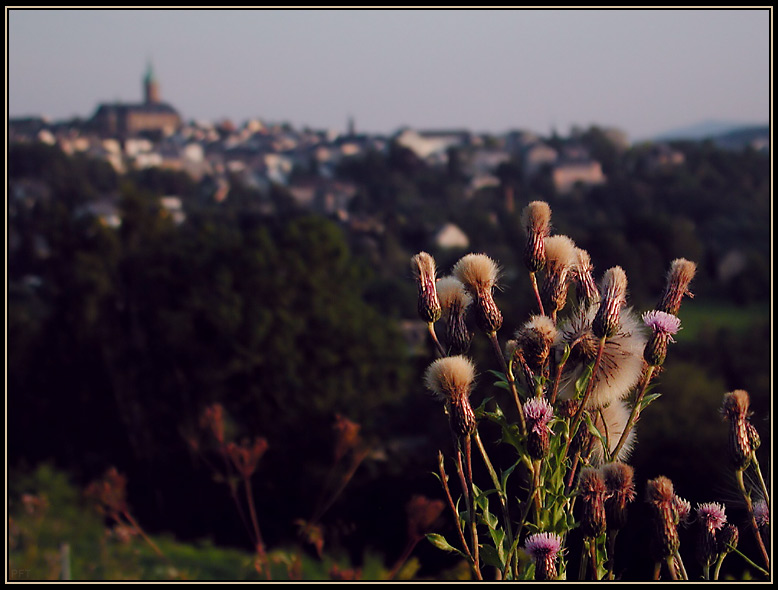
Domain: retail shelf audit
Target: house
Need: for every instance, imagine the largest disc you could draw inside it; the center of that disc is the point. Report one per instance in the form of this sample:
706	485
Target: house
565	175
450	236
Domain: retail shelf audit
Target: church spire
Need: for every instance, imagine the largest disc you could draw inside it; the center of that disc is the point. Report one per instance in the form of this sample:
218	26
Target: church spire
150	86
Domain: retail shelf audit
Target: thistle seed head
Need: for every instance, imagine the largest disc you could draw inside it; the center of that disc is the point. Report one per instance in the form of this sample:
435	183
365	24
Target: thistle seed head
679	277
423	266
536	219
450	378
613	291
592	490
583	278
620	483
543	548
621	365
455	302
736	410
611	420
560	260
535	339
660	496
479	274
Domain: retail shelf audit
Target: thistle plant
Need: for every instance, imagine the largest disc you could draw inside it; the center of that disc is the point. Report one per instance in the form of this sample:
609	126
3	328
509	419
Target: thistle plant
569	388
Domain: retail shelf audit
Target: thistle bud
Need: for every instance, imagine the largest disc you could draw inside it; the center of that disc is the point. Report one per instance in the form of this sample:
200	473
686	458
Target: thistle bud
536	219
591	486
543	549
614	292
423	266
735	409
727	539
560	260
660	497
619	481
451	379
679	276
455	302
479	274
537	414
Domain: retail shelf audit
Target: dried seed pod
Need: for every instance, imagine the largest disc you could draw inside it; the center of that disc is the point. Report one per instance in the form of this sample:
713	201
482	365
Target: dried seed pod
660	497
423	266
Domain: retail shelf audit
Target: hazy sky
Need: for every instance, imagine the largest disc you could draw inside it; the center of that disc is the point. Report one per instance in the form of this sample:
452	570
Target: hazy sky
644	71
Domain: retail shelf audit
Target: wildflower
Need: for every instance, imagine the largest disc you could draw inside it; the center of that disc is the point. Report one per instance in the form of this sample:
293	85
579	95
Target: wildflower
479	274
761	513
736	409
583	279
727	539
684	510
537	414
423	266
663	326
711	518
619	481
614	298
536	219
560	260
451	379
660	497
592	489
621	365
544	548
611	420
681	273
534	340
455	302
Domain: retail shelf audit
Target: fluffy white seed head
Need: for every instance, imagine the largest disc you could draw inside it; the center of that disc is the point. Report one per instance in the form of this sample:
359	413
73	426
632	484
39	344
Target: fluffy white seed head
611	421
622	360
450	378
560	253
477	272
452	294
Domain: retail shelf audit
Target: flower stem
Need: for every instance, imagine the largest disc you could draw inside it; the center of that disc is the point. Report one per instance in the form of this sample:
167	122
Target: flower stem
589	388
754	526
471	490
511	380
533	279
451	505
438	345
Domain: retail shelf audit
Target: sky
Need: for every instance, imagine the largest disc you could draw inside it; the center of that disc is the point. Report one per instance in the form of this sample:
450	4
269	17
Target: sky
642	71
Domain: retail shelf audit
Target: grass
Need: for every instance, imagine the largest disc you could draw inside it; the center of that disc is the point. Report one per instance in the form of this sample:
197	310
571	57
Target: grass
699	318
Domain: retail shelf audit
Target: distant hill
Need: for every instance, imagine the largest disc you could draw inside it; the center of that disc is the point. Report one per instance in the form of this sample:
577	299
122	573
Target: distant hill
708	130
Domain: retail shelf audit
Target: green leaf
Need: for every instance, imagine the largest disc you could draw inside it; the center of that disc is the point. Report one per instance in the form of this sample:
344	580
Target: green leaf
491	557
502	385
583	380
440	542
500	376
648	399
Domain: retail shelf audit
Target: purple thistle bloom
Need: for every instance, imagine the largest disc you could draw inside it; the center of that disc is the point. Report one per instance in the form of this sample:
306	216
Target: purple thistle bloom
542	545
538	413
711	515
662	323
684	509
761	513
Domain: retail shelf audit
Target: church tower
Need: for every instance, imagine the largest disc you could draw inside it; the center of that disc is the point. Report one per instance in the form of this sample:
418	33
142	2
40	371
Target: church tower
150	87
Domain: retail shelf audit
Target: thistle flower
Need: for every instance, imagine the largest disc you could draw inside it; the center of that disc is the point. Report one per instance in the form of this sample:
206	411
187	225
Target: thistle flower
423	266
455	302
736	409
536	219
679	276
620	483
583	279
537	414
543	548
621	365
660	497
451	379
611	420
592	490
684	510
614	298
560	260
479	274
761	513
663	326
711	518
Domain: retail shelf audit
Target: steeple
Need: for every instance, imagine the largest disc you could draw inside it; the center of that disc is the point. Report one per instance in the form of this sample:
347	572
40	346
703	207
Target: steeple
150	86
